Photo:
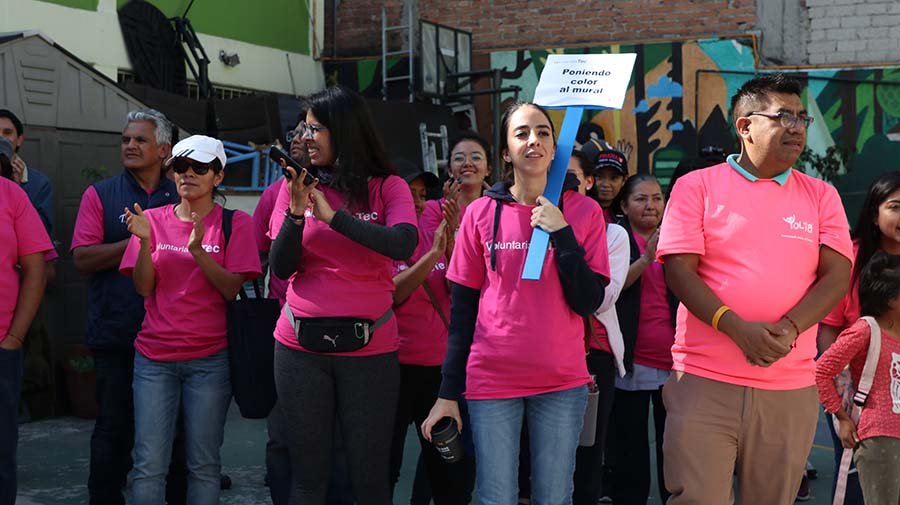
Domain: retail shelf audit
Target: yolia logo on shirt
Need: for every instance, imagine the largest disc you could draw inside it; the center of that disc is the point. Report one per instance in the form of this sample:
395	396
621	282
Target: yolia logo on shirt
798	225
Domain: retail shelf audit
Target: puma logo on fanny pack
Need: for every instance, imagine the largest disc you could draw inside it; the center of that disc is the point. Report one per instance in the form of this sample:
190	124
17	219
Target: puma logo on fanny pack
330	339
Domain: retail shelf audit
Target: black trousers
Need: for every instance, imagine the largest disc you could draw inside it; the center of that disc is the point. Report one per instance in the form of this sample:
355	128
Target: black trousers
628	446
451	484
113	436
278	465
589	460
354	394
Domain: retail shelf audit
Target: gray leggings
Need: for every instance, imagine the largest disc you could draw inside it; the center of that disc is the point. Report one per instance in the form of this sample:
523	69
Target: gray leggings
361	391
878	462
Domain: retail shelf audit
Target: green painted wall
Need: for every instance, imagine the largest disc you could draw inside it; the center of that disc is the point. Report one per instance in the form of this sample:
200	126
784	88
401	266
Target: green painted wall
282	24
88	5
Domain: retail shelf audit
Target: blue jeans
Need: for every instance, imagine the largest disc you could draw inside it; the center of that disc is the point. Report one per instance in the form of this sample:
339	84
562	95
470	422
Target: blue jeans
10	388
554	425
201	389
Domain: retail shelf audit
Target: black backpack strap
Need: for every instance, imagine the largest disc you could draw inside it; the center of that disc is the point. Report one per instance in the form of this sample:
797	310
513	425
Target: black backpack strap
227	218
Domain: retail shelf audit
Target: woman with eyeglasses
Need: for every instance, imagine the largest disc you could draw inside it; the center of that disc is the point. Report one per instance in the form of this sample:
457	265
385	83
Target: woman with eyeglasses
468	167
185	267
336	362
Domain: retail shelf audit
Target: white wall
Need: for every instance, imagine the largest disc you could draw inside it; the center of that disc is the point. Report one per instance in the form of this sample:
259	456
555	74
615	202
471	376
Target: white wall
853	31
96	38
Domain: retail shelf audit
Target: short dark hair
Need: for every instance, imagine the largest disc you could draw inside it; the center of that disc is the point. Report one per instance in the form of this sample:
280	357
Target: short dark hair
17	123
879	284
474	137
755	92
584	161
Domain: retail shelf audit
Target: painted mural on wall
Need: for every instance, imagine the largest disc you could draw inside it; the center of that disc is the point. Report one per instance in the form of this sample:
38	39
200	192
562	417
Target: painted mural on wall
679	102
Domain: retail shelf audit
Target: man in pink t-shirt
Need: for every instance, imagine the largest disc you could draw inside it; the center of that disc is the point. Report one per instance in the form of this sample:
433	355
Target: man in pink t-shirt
757	254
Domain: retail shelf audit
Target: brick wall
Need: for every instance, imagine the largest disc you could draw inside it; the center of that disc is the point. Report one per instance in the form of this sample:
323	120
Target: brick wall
540	24
853	31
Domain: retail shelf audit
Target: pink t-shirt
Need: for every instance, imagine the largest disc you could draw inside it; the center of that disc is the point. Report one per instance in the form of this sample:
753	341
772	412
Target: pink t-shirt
881	415
89	222
655	333
262	216
432	215
758	244
602	341
527	340
423	335
21	233
846	312
337	277
608	215
185	313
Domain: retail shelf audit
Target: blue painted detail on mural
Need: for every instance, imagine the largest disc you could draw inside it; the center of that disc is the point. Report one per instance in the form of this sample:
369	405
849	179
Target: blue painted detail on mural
664	87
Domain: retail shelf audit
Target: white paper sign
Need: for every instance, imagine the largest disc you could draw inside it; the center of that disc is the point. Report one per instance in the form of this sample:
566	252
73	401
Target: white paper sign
588	80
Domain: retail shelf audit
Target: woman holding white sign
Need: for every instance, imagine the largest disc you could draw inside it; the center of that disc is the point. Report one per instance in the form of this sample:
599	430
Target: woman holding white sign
517	347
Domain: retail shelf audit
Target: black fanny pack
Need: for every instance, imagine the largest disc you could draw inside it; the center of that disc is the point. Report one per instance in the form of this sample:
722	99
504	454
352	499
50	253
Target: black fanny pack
335	334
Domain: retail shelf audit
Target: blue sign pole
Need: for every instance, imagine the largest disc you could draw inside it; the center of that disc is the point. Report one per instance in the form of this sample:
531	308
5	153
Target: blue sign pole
537	249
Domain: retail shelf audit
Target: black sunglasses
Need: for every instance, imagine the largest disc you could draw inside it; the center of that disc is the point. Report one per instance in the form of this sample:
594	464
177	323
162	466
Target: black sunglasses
181	165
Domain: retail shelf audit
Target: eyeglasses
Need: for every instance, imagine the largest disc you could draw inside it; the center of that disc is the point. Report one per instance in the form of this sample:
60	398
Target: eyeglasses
181	166
461	158
787	119
302	129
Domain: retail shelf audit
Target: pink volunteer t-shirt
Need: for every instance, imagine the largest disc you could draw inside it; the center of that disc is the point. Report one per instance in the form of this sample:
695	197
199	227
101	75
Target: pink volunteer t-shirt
600	343
527	340
655	333
423	335
758	244
89	222
262	216
846	312
21	233
185	313
432	215
337	277
881	415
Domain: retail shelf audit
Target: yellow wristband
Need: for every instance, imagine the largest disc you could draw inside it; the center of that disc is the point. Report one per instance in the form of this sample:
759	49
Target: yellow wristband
718	316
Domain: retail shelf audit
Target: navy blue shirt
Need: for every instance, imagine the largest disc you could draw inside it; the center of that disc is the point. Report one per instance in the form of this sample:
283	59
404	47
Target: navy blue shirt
40	192
115	309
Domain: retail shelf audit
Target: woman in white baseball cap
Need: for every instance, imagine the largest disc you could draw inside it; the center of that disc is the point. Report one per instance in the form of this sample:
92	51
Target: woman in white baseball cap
182	266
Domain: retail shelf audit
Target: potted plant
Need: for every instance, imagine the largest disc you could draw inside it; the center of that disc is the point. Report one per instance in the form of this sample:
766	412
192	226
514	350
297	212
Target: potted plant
81	382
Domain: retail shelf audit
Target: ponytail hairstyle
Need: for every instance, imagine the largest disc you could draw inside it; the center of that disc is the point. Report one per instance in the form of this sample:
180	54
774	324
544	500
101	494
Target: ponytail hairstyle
506	173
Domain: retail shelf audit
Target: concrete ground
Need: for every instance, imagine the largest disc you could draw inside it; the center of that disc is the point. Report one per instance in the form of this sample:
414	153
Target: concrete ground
54	457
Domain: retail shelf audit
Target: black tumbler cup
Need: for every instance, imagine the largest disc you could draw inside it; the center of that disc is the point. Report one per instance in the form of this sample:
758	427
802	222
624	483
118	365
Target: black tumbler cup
445	438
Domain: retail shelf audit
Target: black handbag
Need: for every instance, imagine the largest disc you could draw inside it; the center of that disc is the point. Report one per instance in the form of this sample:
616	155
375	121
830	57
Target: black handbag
251	345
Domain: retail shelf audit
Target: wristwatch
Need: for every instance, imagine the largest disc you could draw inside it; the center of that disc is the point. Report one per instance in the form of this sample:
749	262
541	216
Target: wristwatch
293	217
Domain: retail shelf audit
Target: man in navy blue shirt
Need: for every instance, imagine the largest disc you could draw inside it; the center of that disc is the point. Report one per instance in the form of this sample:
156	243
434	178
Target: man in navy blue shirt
36	185
115	310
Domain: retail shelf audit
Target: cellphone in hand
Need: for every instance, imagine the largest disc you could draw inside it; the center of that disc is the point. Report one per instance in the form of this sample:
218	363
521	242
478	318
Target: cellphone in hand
277	155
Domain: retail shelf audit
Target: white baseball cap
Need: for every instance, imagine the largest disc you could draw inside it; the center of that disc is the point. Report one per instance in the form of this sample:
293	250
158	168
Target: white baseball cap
199	148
